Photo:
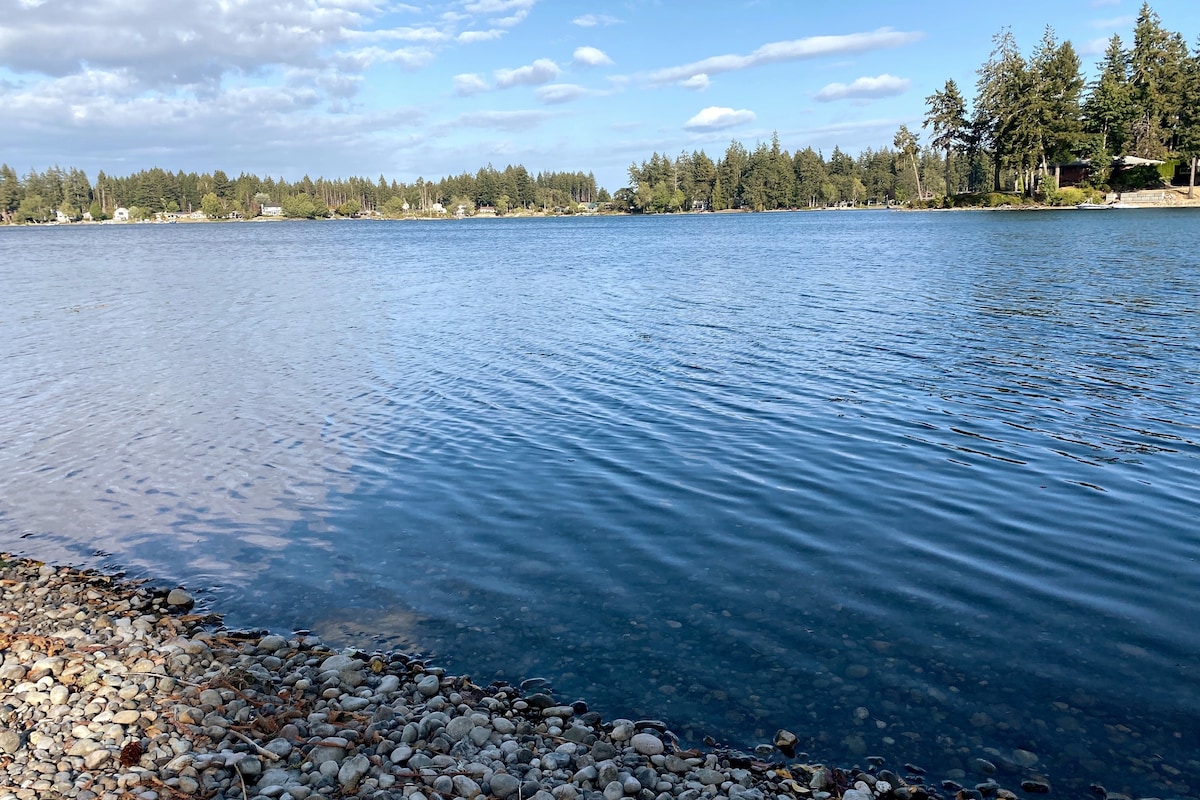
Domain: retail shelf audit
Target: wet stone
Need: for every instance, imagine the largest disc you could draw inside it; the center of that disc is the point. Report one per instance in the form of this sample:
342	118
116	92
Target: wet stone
178	597
429	685
983	766
288	718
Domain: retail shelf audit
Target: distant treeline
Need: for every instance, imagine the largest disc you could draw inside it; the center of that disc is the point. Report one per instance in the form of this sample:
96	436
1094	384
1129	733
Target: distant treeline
44	196
1028	115
1029	118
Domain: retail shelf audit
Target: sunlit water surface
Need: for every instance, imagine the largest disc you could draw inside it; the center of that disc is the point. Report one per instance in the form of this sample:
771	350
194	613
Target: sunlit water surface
924	486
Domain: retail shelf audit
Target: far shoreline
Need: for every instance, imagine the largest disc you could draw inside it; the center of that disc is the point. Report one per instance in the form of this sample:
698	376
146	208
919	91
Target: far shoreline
1180	203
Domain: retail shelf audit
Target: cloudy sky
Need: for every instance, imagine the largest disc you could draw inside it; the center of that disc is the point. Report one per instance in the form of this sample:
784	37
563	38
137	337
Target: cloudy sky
407	89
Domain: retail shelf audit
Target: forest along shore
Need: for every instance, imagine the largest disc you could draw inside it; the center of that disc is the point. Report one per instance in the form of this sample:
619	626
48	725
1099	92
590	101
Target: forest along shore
114	689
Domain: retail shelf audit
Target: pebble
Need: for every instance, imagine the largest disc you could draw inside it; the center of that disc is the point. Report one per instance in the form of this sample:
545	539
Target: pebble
504	785
647	744
178	597
10	741
786	741
123	697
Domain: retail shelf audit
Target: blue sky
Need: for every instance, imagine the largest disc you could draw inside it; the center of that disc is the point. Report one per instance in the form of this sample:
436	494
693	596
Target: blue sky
407	89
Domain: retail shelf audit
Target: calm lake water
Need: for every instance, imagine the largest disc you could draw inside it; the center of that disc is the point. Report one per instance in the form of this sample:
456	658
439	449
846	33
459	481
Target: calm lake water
924	486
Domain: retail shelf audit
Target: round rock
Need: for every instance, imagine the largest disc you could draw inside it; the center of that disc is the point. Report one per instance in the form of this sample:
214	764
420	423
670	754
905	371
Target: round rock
504	785
178	597
10	741
647	744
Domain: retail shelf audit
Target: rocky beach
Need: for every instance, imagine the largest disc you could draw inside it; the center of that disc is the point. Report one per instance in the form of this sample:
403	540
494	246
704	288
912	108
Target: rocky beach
117	690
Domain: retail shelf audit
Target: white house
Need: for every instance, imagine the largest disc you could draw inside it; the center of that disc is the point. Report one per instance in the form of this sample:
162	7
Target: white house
121	215
272	211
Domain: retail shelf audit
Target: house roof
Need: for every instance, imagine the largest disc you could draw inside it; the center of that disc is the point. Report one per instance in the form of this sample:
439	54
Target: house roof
1118	161
1135	161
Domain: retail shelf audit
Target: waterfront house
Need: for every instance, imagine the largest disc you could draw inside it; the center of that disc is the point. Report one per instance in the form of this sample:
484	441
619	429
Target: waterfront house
1073	173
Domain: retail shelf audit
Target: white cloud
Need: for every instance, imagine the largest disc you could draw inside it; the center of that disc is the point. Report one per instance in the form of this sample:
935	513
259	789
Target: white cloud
591	57
470	37
697	82
715	118
514	10
167	42
497	6
267	129
775	52
504	120
468	84
1110	23
882	86
592	20
541	71
406	57
557	93
421	34
1093	47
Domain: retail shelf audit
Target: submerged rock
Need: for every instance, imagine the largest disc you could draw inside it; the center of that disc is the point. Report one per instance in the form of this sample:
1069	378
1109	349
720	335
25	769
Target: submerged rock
123	697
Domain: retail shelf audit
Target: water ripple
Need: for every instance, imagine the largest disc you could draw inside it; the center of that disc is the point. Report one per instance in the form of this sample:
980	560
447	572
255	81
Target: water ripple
740	472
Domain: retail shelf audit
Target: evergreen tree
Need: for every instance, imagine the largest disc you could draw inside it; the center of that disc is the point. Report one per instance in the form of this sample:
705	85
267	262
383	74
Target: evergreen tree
947	117
1156	73
704	176
11	193
1189	118
811	176
1108	110
731	169
1058	85
906	142
1003	123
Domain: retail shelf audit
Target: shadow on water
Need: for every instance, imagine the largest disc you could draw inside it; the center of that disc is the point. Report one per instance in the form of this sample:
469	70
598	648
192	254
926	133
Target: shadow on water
902	484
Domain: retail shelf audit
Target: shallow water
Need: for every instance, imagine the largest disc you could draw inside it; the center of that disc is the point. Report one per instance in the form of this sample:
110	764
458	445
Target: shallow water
913	485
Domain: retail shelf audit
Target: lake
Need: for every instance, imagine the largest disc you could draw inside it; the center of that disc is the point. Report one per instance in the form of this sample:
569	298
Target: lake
924	486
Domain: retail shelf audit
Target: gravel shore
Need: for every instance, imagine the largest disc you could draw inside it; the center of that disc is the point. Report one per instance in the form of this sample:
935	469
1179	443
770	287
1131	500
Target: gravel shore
111	689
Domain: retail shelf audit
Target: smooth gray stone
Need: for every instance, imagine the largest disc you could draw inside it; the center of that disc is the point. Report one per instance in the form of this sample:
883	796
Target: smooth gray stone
352	771
272	643
504	785
647	744
602	751
465	787
459	727
178	597
319	755
354	703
